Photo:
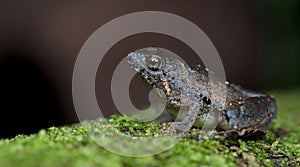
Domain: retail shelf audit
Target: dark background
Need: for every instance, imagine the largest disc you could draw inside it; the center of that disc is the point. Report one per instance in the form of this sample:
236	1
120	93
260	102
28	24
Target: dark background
258	42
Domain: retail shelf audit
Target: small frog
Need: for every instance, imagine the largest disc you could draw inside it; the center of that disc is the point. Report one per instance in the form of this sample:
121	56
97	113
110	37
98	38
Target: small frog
189	88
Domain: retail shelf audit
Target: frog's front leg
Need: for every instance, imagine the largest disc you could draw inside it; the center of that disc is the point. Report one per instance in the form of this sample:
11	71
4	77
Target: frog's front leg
251	113
166	116
188	120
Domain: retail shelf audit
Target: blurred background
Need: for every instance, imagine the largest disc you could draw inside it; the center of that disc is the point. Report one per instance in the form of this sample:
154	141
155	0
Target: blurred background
258	42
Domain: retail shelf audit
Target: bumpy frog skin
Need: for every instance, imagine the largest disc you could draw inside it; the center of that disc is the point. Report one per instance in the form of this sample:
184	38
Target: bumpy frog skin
243	110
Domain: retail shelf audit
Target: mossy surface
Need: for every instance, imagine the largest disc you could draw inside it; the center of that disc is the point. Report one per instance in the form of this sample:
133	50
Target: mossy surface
71	146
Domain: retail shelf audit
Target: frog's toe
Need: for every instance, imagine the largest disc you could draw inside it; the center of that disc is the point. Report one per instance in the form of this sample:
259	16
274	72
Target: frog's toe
180	127
254	133
175	128
244	133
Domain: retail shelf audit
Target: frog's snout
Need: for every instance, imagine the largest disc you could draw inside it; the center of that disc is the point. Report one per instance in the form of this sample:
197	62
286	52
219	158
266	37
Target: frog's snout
136	61
130	58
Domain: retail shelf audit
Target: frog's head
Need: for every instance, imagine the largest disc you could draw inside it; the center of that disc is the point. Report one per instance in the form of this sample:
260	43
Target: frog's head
156	67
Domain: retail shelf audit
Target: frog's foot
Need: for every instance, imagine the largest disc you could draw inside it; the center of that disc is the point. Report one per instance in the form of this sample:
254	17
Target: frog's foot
175	128
180	127
244	133
203	135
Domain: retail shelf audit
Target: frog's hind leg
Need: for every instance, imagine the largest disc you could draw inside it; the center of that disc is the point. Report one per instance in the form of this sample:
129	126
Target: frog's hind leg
254	112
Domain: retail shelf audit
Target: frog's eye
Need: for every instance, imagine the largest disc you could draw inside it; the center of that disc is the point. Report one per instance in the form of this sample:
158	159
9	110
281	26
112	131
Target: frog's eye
153	62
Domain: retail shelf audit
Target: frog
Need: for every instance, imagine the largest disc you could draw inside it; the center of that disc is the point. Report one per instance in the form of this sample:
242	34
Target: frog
189	88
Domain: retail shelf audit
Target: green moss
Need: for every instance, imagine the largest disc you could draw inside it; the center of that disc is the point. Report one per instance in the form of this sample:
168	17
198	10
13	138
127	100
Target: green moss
71	146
